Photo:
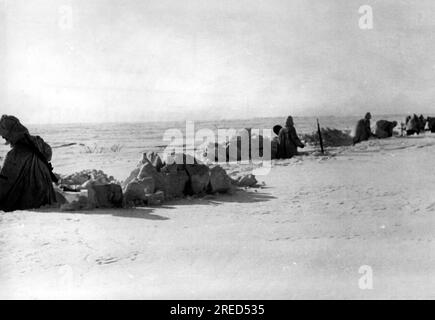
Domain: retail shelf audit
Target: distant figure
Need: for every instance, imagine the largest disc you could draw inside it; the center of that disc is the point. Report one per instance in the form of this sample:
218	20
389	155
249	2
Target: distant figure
288	140
413	125
384	128
431	124
421	123
26	177
363	131
275	142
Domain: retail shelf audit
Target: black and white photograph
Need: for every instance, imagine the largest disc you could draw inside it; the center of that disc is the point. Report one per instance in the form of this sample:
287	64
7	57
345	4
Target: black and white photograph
217	150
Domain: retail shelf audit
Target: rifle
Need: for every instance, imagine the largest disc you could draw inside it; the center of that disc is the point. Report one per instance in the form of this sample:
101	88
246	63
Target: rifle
320	137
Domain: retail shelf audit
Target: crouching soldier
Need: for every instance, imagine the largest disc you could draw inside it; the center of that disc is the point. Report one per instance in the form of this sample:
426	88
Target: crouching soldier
26	175
384	128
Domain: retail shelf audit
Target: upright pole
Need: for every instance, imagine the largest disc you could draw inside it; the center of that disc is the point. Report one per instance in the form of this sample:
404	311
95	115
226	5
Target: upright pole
320	137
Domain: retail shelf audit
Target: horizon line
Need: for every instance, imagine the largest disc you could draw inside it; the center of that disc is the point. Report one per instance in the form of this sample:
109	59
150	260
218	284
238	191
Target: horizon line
207	120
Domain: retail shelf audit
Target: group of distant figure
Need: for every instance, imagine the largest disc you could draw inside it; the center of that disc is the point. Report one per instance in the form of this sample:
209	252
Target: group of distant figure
384	128
415	125
287	141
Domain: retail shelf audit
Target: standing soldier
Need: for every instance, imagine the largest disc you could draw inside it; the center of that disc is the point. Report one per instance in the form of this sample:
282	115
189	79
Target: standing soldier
363	131
288	140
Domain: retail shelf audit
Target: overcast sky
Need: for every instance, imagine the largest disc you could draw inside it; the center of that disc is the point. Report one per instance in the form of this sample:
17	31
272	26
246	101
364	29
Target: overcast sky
146	60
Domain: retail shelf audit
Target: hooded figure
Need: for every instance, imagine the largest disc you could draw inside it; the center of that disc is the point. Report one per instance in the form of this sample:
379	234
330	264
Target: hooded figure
421	123
363	131
26	176
288	141
413	125
431	124
384	128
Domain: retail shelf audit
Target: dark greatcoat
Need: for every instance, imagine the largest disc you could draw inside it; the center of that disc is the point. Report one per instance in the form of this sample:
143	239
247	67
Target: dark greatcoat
384	129
288	143
25	180
363	131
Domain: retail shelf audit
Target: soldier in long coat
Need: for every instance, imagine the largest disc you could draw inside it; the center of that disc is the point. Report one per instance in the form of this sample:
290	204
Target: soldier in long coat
26	175
363	131
288	140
